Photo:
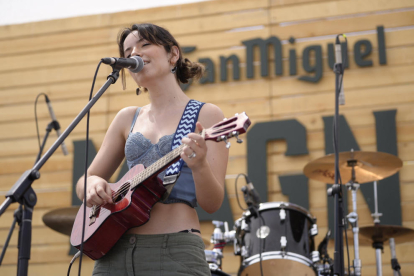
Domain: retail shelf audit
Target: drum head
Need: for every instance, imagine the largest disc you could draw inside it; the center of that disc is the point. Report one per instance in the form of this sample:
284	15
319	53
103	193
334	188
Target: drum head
278	267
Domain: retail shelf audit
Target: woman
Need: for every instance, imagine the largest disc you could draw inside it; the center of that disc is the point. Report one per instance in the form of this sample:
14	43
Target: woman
143	135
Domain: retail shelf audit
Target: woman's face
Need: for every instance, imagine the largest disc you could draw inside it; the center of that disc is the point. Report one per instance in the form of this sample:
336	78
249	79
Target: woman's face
157	62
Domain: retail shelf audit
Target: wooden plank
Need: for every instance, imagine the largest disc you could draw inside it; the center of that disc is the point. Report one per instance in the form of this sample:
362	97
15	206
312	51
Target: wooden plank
189	10
55	91
366	97
361	116
51	75
58	179
18	164
59	58
62	108
60	40
29	146
40	236
333	8
26	129
357	78
349	24
292	2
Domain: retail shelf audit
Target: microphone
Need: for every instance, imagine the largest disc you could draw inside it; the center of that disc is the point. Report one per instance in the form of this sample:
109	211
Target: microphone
134	63
252	192
56	124
338	59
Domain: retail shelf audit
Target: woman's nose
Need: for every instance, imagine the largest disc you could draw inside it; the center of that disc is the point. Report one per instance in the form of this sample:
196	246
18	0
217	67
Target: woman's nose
136	52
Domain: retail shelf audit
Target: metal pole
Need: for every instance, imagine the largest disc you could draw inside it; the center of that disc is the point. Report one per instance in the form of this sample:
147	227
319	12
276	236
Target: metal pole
379	261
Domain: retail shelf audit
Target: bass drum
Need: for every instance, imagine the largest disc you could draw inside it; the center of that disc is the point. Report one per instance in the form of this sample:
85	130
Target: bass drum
281	236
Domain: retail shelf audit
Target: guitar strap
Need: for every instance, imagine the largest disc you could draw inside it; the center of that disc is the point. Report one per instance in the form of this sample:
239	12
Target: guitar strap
187	125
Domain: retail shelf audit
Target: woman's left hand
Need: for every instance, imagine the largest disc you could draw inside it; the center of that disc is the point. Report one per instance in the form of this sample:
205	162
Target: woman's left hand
195	151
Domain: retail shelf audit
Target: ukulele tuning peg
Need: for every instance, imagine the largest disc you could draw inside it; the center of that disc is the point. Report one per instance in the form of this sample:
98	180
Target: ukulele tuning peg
236	134
237	114
224	138
225	119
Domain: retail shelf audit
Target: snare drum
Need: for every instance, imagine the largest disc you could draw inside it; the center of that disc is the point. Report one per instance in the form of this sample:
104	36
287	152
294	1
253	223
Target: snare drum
284	238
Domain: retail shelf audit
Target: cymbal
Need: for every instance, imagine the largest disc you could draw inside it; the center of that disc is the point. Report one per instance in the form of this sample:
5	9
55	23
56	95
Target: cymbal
369	166
61	220
382	233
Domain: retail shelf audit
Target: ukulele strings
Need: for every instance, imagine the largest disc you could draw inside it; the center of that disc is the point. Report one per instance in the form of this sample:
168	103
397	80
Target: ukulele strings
151	169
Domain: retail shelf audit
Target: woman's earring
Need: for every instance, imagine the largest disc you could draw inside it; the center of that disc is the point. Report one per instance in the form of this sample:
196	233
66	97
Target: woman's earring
174	70
138	91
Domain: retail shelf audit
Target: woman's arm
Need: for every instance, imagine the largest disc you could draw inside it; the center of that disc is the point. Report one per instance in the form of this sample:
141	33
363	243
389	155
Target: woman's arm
210	163
109	157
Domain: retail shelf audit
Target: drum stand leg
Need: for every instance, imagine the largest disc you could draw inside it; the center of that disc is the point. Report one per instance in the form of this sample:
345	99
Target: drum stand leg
378	251
353	220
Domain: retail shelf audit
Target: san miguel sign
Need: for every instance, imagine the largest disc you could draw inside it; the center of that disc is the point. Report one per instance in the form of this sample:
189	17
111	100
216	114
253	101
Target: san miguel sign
362	50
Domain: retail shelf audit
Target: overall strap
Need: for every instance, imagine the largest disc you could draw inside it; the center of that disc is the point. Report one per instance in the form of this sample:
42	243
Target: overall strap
187	125
135	119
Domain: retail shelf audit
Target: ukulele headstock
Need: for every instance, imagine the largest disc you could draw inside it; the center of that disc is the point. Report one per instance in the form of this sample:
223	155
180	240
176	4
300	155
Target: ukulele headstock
228	128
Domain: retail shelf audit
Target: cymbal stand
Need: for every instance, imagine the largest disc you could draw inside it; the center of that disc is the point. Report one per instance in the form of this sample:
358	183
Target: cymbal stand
379	246
353	218
394	262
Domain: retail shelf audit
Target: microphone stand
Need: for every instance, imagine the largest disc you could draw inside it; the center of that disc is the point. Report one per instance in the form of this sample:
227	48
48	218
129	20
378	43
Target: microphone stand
336	189
22	191
28	208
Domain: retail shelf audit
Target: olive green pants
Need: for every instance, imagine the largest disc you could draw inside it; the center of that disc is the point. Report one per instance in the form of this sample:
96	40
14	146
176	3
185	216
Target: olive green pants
176	254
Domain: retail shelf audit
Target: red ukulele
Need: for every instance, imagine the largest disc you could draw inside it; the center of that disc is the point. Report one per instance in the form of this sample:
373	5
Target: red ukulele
136	193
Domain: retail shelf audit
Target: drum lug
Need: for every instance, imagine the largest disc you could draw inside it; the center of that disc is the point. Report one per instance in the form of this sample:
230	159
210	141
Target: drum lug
314	230
237	250
244	252
282	215
245	226
283	243
315	256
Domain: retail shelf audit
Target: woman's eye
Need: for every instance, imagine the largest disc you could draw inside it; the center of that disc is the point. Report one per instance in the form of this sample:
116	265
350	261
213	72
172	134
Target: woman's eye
146	44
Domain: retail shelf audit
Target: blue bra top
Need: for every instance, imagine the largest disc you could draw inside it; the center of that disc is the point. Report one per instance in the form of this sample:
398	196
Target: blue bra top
140	150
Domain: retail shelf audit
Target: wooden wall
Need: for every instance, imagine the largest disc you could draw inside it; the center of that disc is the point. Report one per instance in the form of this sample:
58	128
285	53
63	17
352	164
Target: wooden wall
59	58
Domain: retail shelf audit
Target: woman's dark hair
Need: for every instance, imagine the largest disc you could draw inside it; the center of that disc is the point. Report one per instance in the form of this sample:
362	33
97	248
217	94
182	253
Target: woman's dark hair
160	36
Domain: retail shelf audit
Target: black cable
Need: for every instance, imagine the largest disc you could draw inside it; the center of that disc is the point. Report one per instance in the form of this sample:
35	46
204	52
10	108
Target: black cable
86	170
237	195
35	113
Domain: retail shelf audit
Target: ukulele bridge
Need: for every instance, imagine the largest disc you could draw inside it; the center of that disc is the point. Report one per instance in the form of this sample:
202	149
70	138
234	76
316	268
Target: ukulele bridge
92	215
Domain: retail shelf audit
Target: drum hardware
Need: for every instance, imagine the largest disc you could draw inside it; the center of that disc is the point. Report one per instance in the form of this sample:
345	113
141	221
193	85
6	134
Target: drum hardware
219	240
314	230
360	167
353	216
394	262
324	267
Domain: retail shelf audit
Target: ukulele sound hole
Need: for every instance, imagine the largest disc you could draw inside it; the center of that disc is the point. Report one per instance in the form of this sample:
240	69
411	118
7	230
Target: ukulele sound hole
121	193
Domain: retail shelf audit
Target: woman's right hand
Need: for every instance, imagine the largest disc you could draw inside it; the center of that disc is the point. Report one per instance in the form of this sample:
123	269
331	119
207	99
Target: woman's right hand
98	191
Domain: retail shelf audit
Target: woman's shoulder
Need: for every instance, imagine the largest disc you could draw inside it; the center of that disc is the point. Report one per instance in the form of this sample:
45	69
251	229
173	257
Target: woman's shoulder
210	114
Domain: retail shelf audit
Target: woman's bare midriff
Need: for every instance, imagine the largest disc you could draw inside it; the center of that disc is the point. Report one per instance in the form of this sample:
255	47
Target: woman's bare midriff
169	218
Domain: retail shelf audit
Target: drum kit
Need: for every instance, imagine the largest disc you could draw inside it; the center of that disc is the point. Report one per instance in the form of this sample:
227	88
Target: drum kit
277	238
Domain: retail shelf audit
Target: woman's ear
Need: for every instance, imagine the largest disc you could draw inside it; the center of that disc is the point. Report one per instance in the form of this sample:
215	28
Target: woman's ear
175	54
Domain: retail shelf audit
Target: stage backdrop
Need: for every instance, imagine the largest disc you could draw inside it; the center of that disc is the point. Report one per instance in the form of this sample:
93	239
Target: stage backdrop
279	73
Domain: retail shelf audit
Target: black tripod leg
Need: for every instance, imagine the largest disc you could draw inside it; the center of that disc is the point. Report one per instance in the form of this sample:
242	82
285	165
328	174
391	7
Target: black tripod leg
17	219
